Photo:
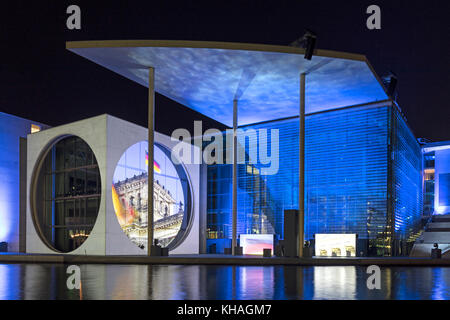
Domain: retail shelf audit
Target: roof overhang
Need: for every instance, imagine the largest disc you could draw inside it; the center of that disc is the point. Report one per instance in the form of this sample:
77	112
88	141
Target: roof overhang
208	76
436	146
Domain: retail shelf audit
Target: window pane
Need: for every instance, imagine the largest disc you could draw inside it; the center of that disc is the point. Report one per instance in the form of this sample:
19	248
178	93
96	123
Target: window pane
92	178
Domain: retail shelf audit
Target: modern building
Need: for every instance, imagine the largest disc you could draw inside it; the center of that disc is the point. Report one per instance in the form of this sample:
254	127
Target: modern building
85	187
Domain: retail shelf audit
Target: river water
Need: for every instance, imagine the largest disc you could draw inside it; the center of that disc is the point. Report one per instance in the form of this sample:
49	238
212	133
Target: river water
193	282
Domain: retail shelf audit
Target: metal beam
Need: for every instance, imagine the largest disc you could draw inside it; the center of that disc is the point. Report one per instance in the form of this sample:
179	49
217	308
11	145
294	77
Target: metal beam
234	206
301	167
151	140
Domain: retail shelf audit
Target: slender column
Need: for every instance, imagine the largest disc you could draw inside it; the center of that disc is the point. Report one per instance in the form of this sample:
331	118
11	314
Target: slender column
234	207
151	139
301	167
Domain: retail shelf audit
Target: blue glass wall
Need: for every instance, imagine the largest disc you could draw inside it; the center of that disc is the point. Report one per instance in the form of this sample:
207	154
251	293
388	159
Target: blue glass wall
406	180
348	176
11	129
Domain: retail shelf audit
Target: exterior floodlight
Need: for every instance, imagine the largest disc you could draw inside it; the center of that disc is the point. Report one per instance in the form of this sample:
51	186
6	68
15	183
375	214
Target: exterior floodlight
308	42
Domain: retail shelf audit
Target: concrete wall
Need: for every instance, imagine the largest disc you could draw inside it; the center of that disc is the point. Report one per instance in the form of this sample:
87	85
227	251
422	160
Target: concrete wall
12	128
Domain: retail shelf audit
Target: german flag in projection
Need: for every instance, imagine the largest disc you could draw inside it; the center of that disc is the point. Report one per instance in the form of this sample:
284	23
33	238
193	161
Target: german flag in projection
156	166
125	212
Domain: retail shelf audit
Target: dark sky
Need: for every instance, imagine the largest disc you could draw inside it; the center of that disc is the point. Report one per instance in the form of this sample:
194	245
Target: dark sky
41	80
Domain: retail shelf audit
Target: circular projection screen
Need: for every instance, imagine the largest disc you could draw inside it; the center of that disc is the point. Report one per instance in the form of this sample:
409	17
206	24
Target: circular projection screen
172	204
65	195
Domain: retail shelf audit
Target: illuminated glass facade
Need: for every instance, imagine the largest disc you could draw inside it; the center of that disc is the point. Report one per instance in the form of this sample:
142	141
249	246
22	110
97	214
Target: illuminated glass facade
363	176
247	73
428	183
171	196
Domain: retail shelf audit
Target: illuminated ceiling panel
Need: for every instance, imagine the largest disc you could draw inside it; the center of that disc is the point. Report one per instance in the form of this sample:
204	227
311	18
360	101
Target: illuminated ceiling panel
207	76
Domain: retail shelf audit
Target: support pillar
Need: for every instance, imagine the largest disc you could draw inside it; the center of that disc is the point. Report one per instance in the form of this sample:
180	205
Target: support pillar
301	167
151	140
234	199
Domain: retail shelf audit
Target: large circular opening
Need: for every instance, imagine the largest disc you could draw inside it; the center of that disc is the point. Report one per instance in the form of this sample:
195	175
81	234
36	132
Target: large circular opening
66	194
172	196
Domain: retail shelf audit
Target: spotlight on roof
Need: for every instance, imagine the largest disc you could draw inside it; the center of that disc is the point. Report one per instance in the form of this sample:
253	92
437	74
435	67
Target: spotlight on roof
390	82
308	42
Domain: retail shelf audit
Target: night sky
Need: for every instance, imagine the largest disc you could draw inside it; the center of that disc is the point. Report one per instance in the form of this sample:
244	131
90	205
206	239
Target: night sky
42	81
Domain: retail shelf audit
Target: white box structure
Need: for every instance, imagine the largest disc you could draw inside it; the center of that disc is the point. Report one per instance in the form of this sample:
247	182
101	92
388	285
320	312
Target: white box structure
108	137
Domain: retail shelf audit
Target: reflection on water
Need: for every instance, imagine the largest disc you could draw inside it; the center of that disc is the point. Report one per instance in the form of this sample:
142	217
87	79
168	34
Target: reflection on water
335	283
47	281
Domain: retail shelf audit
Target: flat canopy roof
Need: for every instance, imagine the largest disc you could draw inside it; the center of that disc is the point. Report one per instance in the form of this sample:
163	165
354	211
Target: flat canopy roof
208	76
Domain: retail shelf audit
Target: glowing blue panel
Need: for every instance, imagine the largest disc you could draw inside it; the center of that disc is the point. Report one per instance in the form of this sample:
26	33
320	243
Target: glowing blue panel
255	243
11	129
266	83
442	173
